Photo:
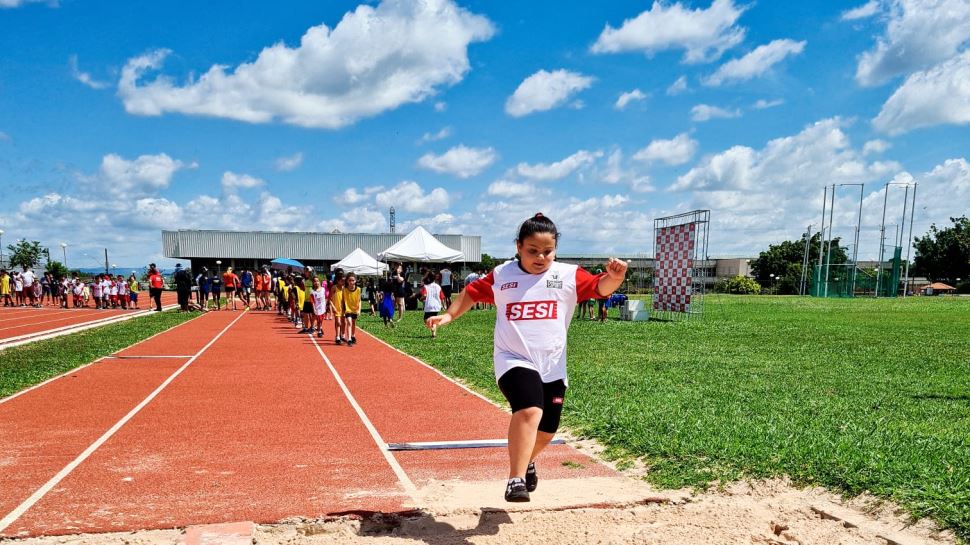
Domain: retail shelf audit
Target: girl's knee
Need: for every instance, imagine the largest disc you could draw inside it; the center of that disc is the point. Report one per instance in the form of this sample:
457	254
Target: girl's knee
529	414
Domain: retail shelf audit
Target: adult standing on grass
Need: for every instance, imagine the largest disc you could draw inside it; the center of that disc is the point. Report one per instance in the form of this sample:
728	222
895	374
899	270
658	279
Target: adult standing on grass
535	296
155	284
28	279
183	287
399	291
446	284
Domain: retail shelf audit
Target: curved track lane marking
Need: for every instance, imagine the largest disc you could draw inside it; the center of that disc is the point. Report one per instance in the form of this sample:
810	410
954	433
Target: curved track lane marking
381	444
49	485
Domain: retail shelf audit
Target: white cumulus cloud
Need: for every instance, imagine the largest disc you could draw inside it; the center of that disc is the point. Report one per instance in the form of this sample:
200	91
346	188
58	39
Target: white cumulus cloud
460	161
434	137
940	95
374	60
559	169
140	176
763	104
544	91
706	112
868	9
756	63
704	34
919	34
875	146
232	181
290	163
675	151
507	189
410	197
628	97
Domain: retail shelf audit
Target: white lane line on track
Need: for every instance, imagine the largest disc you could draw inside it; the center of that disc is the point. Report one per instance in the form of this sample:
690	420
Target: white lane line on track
49	485
45	313
113	357
61	319
405	481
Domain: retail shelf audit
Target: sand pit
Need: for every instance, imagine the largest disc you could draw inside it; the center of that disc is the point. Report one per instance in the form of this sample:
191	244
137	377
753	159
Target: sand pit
601	511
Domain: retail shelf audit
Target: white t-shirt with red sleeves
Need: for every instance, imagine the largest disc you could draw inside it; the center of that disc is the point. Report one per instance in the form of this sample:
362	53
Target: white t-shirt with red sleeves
533	312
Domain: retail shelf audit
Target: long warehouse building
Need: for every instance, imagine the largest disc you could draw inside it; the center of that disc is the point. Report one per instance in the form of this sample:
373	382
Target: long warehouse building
253	249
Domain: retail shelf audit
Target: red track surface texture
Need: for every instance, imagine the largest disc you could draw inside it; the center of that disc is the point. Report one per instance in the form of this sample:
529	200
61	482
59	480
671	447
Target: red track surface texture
22	321
254	427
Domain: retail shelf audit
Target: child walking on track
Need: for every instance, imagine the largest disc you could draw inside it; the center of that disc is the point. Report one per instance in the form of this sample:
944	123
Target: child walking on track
351	308
534	298
337	307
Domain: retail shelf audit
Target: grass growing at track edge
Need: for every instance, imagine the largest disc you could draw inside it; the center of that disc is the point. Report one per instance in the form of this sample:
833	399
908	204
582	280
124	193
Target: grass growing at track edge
857	395
32	363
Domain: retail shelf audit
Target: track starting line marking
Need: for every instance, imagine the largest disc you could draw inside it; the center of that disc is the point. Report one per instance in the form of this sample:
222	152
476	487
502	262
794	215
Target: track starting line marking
444	445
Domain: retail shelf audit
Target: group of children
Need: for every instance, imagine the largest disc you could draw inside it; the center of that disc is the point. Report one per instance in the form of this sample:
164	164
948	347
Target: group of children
307	301
23	289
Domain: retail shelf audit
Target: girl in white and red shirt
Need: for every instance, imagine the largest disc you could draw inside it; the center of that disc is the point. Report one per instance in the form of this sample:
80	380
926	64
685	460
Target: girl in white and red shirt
534	298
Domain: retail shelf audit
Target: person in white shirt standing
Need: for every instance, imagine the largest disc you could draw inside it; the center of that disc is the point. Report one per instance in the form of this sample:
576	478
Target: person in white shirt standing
433	297
28	278
534	297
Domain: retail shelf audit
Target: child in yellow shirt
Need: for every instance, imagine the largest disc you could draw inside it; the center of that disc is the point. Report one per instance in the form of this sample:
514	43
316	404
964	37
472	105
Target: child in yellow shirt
351	307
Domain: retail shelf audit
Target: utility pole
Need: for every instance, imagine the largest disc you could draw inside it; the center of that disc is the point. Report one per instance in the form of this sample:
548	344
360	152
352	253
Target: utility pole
821	242
808	239
909	246
828	265
106	269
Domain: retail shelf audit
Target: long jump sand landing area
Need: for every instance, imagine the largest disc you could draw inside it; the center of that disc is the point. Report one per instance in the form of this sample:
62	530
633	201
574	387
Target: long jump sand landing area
19	325
235	416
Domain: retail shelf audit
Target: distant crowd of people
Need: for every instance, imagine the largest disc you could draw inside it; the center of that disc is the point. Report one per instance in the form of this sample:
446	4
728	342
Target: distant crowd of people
103	291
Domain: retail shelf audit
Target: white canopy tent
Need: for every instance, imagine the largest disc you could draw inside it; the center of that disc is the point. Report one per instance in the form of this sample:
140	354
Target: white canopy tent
361	263
419	245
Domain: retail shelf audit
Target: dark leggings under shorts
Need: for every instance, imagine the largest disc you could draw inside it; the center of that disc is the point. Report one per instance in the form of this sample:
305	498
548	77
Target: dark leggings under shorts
523	388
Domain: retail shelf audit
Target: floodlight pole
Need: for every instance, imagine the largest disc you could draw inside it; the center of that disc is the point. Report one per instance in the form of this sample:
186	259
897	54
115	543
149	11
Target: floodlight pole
828	265
909	246
882	238
821	241
808	238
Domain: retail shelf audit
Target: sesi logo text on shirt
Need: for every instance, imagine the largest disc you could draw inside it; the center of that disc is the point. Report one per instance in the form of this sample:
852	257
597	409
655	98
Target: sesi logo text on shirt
508	286
532	310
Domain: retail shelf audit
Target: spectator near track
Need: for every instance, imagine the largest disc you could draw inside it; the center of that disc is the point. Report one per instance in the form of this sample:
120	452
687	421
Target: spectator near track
5	288
216	283
28	279
446	284
536	296
230	282
133	289
246	287
183	287
155	285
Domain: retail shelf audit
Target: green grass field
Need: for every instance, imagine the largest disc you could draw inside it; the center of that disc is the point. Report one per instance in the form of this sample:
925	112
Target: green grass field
857	395
26	365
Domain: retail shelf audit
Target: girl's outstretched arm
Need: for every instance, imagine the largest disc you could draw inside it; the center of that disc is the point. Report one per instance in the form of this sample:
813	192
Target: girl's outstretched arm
459	306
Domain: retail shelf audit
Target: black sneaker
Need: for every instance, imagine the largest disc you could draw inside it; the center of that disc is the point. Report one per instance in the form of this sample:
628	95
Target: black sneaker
515	490
531	479
353	340
338	341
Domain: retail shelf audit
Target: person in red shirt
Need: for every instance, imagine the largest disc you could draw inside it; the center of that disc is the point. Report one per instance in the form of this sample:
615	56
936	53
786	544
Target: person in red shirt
230	282
155	285
534	297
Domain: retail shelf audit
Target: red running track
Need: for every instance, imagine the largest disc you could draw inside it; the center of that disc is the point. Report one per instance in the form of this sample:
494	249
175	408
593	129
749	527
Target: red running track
253	426
24	322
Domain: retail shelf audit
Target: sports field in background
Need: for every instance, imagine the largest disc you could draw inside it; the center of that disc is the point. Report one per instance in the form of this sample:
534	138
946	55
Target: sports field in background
858	395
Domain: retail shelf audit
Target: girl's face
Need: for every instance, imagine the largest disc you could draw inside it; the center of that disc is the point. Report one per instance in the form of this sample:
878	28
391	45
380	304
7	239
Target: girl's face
352	283
537	252
316	284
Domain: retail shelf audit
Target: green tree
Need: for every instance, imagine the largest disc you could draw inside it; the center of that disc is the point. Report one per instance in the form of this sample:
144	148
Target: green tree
25	254
57	269
943	255
784	261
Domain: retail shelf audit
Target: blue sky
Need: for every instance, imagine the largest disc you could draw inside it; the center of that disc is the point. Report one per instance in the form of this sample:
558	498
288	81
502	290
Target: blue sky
120	119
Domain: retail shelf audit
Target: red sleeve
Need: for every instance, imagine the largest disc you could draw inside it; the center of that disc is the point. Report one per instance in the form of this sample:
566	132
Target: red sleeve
424	292
586	285
480	290
441	295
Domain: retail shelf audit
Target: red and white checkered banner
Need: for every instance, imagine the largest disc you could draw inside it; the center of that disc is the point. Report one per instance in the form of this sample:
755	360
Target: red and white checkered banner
674	267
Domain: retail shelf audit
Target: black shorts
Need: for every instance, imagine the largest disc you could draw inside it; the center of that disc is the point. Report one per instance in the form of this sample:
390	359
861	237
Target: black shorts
430	314
307	308
447	290
523	388
351	315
